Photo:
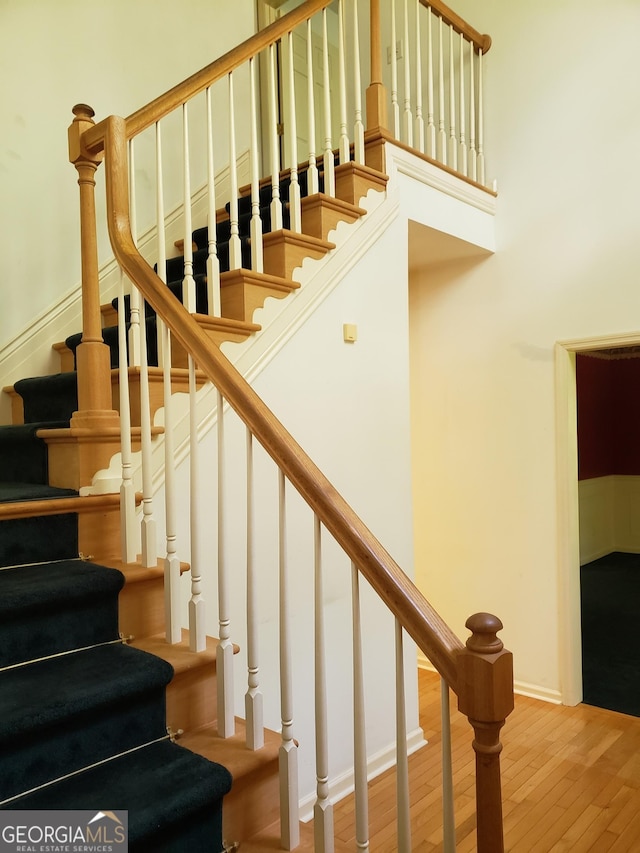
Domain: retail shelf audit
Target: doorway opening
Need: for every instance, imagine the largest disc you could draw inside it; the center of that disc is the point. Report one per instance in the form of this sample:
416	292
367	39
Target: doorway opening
599	530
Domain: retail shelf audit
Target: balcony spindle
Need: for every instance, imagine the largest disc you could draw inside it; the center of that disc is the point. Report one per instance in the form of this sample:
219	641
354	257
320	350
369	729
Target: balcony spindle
408	118
188	282
328	158
395	107
442	133
453	141
235	247
431	128
288	754
274	140
213	262
323	808
358	131
344	134
224	649
295	211
359	732
312	174
463	129
253	697
162	242
473	155
481	175
419	117
257	248
402	759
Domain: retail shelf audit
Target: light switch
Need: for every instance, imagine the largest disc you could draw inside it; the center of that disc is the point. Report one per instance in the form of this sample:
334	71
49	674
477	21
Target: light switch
350	332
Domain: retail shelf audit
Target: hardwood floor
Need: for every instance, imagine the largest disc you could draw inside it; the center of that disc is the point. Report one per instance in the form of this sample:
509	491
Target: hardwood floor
570	776
571	782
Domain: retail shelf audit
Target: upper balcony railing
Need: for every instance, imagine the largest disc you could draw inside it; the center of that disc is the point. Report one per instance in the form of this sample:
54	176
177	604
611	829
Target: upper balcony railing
311	78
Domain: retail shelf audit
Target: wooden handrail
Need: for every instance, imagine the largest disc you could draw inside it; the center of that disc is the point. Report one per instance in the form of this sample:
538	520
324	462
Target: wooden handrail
198	82
481	41
403	598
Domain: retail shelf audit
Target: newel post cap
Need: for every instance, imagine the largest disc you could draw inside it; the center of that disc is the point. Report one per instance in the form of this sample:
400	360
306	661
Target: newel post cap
83	120
485	672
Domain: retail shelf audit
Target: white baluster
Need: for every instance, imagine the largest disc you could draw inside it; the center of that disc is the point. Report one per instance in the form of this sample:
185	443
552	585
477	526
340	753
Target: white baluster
359	738
235	247
431	128
395	107
134	298
276	202
224	650
358	131
162	243
442	134
188	282
453	142
419	118
402	759
481	176
473	157
328	160
295	211
173	626
288	755
173	629
408	118
213	262
448	819
323	808
129	531
463	164
197	636
253	697
148	524
257	248
344	134
312	174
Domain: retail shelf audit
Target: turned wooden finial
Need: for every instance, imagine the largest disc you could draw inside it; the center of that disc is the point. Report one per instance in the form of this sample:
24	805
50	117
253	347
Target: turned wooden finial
83	112
484	628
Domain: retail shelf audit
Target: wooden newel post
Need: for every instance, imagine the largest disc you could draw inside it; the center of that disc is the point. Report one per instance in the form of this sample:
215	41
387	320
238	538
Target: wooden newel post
485	696
376	91
95	407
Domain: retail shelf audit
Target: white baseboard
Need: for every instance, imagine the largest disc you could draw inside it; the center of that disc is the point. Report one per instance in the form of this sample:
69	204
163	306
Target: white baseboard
522	688
343	785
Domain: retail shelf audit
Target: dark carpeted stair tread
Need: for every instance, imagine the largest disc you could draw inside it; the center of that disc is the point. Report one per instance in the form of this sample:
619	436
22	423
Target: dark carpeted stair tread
55	607
173	797
74	684
13	492
175	266
36	539
65	713
23	456
49	398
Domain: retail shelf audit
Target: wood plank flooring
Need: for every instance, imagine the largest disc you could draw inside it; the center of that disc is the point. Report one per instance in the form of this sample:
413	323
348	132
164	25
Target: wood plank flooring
570	776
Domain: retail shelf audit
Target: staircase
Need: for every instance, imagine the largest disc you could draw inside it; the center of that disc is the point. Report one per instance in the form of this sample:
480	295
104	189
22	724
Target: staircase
67	427
99	630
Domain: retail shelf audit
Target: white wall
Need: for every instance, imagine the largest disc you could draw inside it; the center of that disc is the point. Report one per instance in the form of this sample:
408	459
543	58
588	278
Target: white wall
115	56
561	137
